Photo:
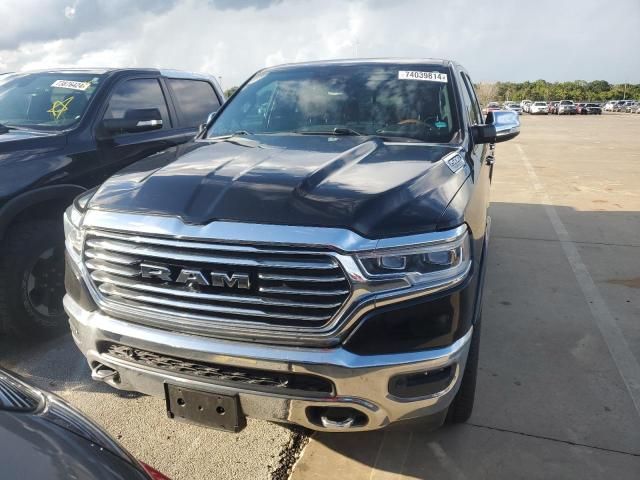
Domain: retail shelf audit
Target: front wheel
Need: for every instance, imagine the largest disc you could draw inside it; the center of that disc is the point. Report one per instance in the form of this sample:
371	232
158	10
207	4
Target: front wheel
32	279
462	406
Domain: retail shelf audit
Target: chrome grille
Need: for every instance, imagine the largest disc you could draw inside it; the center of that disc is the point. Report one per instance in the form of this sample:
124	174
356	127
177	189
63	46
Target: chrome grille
288	287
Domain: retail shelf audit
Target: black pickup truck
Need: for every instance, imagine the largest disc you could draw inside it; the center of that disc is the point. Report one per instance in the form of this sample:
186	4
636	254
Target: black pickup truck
62	132
315	257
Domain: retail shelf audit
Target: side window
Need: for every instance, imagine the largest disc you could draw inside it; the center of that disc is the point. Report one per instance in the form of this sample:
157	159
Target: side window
476	112
135	94
195	99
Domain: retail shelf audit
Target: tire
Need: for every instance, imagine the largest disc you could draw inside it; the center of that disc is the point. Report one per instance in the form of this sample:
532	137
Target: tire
32	279
462	406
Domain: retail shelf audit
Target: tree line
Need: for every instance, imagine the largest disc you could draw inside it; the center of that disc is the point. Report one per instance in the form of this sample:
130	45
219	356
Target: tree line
598	90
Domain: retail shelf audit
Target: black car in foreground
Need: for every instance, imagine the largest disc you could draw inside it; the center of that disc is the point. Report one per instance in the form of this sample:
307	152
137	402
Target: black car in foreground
44	438
316	256
62	132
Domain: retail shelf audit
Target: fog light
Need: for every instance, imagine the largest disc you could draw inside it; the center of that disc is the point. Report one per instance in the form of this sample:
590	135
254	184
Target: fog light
421	384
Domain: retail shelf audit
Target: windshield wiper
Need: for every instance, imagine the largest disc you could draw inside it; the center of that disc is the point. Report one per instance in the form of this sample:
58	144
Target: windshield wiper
398	138
335	131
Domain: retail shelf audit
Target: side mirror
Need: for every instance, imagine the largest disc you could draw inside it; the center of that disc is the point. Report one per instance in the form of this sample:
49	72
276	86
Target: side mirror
210	117
134	121
500	126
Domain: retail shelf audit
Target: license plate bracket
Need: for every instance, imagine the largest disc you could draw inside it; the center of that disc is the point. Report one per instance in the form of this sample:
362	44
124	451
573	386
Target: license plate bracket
213	410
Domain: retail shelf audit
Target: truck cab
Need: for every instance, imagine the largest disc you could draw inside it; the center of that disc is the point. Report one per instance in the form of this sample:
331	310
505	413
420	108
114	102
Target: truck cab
63	132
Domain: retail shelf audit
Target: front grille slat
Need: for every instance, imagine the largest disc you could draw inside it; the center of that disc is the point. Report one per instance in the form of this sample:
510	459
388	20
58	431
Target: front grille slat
102	277
112	290
162	253
111	257
284	286
111	268
301	291
300	278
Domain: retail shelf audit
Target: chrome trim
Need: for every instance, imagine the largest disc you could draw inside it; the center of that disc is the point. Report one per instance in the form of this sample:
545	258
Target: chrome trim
366	293
340	425
361	382
337	239
181	304
148	123
101	276
299	291
162	253
297	278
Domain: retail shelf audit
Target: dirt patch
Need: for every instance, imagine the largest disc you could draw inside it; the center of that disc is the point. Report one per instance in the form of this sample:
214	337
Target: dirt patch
629	282
291	453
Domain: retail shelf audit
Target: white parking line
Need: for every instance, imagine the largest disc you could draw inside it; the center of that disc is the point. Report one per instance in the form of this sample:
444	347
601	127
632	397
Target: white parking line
394	448
624	359
446	462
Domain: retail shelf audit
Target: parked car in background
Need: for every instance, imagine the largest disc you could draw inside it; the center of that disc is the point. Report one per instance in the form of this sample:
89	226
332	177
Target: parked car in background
553	107
515	107
490	107
296	263
620	105
62	132
630	107
42	437
539	108
610	105
566	107
524	104
593	109
581	108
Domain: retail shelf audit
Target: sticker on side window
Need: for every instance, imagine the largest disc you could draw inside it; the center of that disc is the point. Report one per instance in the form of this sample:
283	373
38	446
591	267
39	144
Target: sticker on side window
424	76
71	84
454	162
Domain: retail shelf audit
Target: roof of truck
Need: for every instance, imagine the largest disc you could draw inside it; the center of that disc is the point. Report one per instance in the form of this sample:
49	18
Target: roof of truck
352	61
102	70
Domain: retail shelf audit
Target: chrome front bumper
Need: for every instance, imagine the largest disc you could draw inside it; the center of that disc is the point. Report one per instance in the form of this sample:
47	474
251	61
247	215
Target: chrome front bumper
361	382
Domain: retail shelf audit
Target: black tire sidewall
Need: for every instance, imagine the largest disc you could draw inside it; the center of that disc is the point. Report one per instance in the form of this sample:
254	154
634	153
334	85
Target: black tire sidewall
24	245
462	404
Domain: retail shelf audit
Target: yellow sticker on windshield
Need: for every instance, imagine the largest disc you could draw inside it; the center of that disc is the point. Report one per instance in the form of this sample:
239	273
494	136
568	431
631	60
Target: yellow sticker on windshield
423	76
59	107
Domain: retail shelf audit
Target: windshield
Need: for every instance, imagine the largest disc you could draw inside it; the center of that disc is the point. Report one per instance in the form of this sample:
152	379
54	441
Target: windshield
47	101
407	101
540	104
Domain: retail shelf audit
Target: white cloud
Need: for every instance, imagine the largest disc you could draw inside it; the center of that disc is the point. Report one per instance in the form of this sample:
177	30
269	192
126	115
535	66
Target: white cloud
507	41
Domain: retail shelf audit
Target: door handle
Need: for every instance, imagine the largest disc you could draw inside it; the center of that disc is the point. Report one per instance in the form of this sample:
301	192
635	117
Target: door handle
491	160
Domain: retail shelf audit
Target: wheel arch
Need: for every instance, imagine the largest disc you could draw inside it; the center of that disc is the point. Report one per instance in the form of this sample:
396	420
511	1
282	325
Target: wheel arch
41	203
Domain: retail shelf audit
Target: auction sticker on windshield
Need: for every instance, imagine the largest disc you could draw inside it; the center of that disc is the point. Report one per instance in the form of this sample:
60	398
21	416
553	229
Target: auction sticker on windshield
71	84
424	76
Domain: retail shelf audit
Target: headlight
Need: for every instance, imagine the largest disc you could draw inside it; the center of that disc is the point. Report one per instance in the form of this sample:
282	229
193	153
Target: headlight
420	264
72	235
72	220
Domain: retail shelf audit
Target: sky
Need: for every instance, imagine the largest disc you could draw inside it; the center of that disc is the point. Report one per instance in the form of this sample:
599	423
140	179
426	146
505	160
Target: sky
496	40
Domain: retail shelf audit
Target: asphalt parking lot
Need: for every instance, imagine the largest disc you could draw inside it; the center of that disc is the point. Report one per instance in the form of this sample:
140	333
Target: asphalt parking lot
559	380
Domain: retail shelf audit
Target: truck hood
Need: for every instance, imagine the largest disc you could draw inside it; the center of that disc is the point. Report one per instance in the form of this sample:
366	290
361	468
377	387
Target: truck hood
17	135
363	184
26	157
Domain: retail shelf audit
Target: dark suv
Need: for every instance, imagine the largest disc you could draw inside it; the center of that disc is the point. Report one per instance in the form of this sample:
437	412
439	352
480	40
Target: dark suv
316	256
62	132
